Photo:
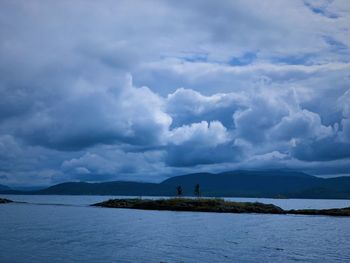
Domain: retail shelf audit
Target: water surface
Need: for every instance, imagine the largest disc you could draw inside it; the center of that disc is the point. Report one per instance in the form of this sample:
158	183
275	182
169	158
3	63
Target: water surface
84	200
78	233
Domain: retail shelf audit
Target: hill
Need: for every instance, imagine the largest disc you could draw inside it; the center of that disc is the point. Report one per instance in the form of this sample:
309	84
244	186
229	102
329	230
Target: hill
264	184
4	188
273	184
107	188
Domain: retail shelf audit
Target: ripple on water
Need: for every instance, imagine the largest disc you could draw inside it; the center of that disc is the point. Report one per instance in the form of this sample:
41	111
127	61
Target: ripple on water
89	234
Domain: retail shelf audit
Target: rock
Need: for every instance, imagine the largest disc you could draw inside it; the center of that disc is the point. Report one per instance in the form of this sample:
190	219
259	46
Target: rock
5	201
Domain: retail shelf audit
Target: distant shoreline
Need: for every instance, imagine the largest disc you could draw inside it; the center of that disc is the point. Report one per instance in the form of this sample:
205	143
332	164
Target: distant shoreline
215	205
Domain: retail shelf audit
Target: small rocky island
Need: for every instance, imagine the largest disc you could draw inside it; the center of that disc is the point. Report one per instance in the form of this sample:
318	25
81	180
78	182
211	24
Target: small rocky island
5	201
214	205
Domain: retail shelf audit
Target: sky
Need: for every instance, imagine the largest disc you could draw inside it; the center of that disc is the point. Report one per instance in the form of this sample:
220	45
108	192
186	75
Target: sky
145	90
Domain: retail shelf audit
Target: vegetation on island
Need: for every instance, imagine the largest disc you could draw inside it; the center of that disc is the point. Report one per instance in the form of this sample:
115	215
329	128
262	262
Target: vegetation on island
192	204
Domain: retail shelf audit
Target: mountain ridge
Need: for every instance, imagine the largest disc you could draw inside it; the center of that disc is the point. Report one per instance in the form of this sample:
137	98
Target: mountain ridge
239	183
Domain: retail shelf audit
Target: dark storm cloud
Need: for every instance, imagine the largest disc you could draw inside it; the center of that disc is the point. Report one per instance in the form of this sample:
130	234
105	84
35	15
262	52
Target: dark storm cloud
323	150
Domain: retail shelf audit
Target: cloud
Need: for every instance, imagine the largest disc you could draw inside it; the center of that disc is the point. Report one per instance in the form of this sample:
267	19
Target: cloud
90	166
197	134
200	143
188	106
9	148
264	112
111	163
301	125
123	114
146	90
345	133
322	150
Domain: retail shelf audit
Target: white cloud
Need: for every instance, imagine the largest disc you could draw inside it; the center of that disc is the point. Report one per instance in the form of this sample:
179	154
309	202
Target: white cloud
301	125
200	134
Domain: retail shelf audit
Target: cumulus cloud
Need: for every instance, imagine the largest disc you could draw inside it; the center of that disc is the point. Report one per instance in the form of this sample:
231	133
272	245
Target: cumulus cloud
111	163
122	114
187	106
200	143
263	112
204	133
301	125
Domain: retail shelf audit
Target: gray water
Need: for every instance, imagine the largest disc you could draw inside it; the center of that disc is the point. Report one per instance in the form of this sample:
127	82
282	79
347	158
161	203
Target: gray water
74	232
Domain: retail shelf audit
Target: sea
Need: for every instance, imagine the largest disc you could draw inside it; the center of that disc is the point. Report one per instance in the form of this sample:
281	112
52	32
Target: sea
66	229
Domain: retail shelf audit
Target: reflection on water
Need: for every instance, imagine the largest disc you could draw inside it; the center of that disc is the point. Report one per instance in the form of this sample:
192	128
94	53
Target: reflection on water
78	233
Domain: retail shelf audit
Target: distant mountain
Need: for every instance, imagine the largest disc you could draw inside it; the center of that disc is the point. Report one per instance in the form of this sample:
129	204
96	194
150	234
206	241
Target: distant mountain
280	184
28	188
264	184
108	188
4	187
